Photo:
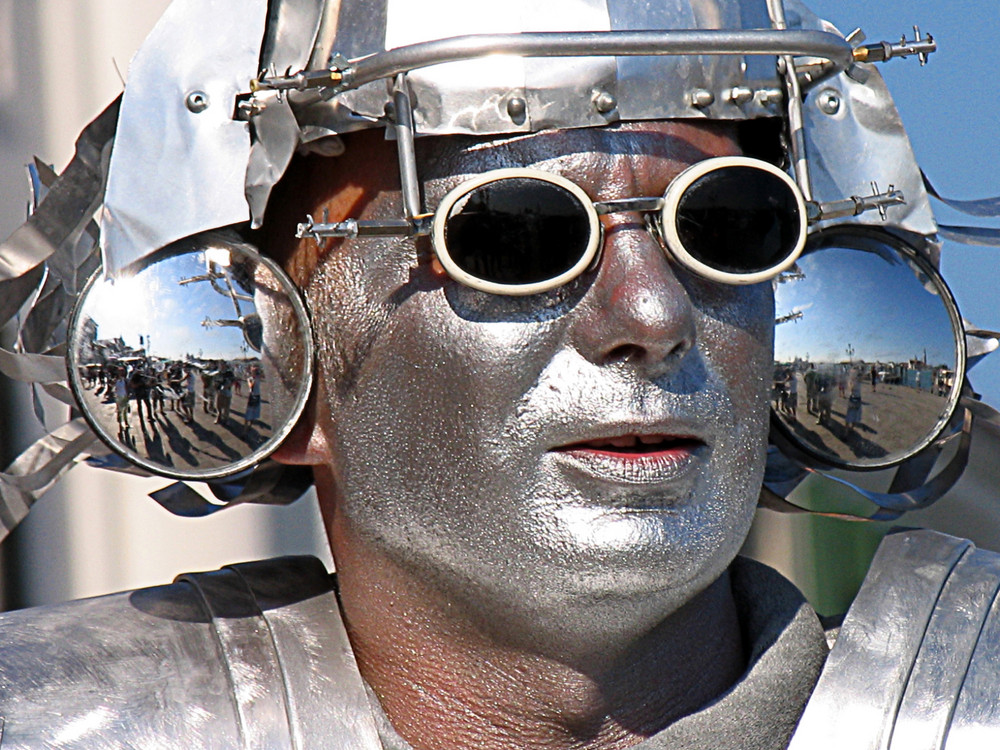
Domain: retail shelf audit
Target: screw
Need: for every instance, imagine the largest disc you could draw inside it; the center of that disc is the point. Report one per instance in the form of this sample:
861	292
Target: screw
604	102
829	102
197	101
767	97
740	95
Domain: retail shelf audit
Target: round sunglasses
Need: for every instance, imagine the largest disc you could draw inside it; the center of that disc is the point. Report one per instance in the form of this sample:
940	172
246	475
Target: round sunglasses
731	219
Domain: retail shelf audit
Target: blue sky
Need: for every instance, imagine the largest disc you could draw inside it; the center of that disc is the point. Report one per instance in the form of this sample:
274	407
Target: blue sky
880	310
951	110
171	315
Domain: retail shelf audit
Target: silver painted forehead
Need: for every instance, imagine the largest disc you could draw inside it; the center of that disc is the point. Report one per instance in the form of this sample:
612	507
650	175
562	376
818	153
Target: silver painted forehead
205	130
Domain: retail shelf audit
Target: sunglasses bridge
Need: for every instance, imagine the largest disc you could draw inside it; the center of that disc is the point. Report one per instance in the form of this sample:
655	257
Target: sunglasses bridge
420	226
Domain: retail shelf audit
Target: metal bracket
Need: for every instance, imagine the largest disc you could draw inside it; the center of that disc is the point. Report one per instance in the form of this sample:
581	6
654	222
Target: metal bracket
877	201
884	51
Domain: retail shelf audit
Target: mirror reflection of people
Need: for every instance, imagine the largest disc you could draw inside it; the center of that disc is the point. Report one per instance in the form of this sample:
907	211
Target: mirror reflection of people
187	399
852	417
140	383
252	413
809	378
223	386
120	390
792	392
824	396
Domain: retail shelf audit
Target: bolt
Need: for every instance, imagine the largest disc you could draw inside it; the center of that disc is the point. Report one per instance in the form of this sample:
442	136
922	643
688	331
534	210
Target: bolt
767	97
740	95
517	108
702	98
829	102
604	102
197	101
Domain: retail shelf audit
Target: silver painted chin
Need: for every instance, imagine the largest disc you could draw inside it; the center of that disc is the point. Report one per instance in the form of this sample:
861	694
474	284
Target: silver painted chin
676	467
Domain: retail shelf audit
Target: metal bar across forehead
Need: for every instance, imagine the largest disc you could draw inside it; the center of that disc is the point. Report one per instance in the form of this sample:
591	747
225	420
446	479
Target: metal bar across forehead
822	44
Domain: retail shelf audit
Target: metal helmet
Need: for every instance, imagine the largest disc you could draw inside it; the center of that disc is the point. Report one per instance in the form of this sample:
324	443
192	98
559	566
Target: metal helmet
223	119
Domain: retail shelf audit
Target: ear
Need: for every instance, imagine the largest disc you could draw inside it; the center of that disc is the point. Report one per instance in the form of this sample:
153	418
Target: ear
307	444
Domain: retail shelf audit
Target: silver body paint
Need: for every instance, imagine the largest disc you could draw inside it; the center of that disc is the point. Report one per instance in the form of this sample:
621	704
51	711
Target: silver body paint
451	410
445	429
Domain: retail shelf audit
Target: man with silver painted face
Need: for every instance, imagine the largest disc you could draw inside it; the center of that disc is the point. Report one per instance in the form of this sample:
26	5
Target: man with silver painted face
544	351
533	500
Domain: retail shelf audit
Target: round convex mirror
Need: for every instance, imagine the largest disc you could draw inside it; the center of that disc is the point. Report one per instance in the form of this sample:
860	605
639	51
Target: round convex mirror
197	365
869	351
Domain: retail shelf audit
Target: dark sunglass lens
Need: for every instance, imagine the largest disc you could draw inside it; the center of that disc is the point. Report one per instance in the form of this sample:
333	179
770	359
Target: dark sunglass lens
739	219
517	230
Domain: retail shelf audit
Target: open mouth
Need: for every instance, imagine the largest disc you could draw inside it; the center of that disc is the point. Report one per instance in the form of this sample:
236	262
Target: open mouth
637	459
636	444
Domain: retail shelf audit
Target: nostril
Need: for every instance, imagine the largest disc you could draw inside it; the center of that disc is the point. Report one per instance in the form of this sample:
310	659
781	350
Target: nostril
636	353
625	353
680	349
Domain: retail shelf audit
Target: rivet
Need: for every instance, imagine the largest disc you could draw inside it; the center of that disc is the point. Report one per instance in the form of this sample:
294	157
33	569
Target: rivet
604	102
829	102
702	98
517	108
197	101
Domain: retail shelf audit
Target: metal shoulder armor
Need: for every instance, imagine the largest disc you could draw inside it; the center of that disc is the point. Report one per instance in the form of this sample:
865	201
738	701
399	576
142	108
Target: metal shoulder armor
251	656
917	661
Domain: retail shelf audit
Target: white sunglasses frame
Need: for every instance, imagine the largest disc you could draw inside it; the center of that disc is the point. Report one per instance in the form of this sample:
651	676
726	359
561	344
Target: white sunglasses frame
666	207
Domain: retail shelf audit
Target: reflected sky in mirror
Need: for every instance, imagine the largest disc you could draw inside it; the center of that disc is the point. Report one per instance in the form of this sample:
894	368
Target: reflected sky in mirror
865	353
146	311
862	306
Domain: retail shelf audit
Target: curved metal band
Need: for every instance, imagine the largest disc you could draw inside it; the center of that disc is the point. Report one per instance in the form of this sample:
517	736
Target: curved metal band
248	650
822	44
914	665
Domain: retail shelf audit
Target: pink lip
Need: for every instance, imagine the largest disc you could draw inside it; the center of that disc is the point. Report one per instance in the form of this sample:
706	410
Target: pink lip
637	459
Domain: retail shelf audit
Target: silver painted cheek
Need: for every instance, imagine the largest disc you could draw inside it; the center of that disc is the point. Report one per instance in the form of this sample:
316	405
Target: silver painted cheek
445	460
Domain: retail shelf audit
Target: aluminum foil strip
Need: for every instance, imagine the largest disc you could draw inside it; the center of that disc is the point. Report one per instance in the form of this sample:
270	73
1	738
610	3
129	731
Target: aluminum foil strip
270	483
981	236
32	368
38	468
61	220
988	208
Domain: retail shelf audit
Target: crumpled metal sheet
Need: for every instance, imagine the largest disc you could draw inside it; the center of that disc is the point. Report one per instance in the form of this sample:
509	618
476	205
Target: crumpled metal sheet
61	221
38	468
292	29
178	170
855	137
472	97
